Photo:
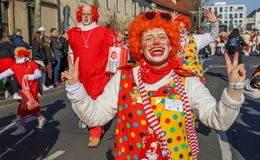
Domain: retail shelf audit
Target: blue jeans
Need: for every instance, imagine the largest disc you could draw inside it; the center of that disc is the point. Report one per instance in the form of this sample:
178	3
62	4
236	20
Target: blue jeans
56	69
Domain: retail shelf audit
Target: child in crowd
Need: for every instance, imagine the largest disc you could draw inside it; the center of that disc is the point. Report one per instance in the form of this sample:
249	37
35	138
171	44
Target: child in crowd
24	68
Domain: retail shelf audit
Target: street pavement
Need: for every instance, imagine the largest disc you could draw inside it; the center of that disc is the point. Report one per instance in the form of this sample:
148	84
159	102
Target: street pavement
61	138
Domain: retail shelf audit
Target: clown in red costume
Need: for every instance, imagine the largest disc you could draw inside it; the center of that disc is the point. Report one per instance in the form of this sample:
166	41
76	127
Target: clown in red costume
91	43
24	68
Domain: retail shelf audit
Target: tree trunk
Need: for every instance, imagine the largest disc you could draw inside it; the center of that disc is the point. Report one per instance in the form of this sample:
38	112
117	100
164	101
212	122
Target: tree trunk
37	14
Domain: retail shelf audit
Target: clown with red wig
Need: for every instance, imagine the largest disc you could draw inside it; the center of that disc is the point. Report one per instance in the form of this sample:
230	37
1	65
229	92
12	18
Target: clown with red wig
91	43
191	44
154	101
26	69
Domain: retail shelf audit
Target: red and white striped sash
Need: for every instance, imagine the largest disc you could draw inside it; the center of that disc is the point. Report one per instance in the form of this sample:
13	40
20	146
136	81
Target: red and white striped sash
151	118
154	123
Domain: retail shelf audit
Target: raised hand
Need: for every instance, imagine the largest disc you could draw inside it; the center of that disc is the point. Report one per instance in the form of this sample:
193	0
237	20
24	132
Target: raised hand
72	76
236	72
211	17
174	14
119	35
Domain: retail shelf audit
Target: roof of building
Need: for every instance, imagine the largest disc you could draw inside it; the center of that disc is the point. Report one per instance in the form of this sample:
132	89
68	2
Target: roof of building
252	14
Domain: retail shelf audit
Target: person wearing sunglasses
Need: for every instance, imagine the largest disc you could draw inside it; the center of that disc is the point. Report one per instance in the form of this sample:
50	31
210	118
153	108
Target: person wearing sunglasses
192	44
154	101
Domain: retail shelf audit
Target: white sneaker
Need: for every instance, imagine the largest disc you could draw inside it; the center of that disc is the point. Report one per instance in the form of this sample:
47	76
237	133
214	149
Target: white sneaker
252	92
41	123
45	88
6	94
50	86
16	96
20	130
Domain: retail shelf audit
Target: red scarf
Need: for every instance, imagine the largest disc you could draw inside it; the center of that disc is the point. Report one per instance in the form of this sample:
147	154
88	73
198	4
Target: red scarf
151	75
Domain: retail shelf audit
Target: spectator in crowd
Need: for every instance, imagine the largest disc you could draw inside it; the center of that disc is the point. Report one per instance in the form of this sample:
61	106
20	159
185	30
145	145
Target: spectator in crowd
17	41
235	44
39	57
58	54
65	49
42	30
6	60
246	37
50	62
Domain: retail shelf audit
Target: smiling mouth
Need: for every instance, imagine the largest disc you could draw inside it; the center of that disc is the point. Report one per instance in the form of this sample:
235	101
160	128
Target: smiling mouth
156	51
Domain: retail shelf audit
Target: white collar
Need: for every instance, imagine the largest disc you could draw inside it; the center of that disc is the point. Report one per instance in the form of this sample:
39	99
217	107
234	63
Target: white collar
88	27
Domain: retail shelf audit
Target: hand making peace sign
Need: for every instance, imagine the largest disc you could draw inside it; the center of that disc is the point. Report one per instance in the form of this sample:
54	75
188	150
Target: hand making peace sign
236	72
72	76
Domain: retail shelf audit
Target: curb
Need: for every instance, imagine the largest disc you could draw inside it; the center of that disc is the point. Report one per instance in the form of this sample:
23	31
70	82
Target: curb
10	100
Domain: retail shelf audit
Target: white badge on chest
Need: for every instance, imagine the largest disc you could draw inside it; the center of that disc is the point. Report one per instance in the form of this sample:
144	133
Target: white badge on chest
173	105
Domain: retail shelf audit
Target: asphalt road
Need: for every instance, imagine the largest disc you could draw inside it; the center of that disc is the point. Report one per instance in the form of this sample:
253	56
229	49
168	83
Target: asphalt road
61	138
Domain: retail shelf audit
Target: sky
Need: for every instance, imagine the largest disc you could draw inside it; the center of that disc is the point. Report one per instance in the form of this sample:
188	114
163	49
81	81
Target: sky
250	4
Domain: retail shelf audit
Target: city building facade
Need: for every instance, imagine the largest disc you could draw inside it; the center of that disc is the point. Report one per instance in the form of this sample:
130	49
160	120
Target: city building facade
61	13
230	15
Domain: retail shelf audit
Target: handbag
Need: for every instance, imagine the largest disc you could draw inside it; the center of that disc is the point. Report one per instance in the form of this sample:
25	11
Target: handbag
28	101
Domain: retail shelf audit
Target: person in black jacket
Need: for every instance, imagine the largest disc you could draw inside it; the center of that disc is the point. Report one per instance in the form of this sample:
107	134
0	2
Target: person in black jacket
39	57
235	44
65	49
50	61
58	54
6	60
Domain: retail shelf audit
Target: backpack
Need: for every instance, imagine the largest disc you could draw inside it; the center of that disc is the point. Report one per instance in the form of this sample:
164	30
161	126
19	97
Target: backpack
233	44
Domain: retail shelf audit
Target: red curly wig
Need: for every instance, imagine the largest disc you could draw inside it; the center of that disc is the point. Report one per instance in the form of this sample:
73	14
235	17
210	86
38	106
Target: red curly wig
94	11
183	19
21	52
141	24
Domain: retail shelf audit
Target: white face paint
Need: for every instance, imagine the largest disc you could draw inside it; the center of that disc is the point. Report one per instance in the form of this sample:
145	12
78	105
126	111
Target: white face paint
182	30
86	15
19	60
155	45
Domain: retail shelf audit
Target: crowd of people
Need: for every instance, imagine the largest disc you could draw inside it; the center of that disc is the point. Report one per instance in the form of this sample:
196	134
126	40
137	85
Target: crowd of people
155	101
248	44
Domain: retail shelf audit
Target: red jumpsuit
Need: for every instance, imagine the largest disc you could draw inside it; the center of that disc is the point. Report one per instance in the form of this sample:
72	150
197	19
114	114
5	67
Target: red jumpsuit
19	71
93	60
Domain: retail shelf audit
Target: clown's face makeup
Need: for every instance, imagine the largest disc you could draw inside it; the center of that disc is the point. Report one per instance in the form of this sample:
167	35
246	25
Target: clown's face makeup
155	45
182	30
86	15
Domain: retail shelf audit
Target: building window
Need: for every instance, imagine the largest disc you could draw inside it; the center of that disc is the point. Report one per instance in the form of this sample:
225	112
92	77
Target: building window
226	9
31	23
241	8
125	6
3	18
231	9
142	8
216	10
225	22
209	8
117	6
235	15
241	15
134	9
220	9
230	16
240	21
108	4
226	16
